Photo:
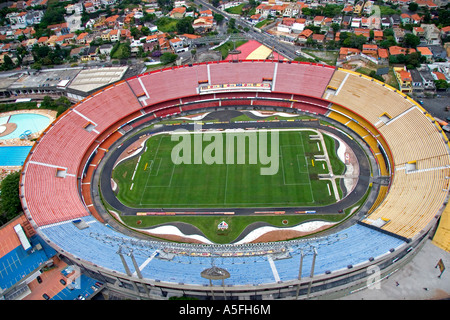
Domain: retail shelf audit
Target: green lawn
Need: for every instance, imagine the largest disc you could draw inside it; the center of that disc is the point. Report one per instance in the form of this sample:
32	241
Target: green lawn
228	46
236	224
153	180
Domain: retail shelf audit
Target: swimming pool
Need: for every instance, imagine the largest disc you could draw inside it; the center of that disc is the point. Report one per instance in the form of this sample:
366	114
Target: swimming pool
13	156
25	121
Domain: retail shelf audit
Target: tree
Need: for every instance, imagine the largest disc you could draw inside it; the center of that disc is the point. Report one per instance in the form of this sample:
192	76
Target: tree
441	84
413	6
218	17
335	26
168	57
411	40
7	64
10	205
185	25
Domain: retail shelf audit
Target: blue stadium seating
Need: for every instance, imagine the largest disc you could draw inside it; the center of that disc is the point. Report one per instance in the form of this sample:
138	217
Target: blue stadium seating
97	244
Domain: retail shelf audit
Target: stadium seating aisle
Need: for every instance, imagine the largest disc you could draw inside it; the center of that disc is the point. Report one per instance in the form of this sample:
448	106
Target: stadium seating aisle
404	206
61	149
172	84
116	102
50	198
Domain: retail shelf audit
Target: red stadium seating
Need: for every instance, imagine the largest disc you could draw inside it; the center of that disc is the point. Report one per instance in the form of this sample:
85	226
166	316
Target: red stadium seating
51	199
228	73
116	102
303	79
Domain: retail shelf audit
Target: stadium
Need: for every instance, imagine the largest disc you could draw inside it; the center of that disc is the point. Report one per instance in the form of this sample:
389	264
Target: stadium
63	195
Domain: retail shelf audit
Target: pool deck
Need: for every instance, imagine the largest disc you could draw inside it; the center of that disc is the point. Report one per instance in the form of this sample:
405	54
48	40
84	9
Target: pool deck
5	170
17	141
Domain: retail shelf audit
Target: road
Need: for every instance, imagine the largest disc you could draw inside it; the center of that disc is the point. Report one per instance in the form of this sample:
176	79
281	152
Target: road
263	37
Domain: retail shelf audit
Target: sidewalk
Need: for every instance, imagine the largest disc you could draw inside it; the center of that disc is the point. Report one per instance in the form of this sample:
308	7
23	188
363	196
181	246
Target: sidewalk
418	280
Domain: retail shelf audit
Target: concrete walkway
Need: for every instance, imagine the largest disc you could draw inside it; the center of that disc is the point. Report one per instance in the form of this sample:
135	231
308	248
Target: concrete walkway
417	280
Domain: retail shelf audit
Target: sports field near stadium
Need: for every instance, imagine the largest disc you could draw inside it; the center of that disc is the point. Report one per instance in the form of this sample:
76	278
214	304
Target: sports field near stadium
155	178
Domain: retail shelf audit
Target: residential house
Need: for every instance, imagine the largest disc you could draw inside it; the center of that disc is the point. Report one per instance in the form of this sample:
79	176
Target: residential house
358	8
378	35
106	35
34	17
386	22
383	56
255	18
112	21
278	10
304	36
445	32
179	3
89	7
431	34
427	3
318	20
178	13
417	81
348	9
362	31
419	32
60	28
293	9
346	21
415	19
114	35
164	45
370	50
404	79
438	75
347	52
396	50
206	13
17	18
203	24
396	20
82	38
299	25
105	49
356	22
77	52
177	45
439	53
365	22
405	18
426	52
76	8
42	41
368	7
52	40
427	78
319	38
399	34
285	25
188	38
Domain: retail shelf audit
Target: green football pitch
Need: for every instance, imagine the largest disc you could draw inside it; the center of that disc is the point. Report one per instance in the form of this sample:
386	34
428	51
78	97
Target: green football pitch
154	179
